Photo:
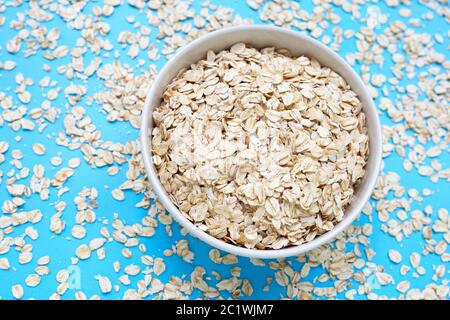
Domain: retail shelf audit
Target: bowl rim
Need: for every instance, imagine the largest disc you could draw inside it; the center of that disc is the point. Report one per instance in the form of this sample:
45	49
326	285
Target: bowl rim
164	198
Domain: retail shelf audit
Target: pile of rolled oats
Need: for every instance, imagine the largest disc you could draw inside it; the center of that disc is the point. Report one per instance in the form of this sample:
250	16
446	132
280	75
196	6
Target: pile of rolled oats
260	148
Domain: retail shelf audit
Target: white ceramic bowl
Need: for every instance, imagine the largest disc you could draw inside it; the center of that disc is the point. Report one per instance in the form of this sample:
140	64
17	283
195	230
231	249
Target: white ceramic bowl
261	36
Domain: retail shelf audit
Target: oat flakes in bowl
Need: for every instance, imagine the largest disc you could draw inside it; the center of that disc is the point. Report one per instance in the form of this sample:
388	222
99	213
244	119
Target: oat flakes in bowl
259	148
260	152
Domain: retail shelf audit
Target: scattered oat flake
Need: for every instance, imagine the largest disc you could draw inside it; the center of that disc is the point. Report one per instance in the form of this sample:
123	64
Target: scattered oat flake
17	291
395	256
105	284
38	149
83	252
4	264
118	194
33	280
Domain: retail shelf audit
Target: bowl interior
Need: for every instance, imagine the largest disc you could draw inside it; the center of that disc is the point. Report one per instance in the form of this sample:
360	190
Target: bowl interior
298	44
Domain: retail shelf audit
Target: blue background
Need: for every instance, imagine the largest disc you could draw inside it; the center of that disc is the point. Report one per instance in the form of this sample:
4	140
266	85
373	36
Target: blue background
61	248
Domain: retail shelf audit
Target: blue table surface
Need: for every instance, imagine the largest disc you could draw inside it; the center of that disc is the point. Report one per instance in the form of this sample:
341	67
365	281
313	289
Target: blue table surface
61	248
